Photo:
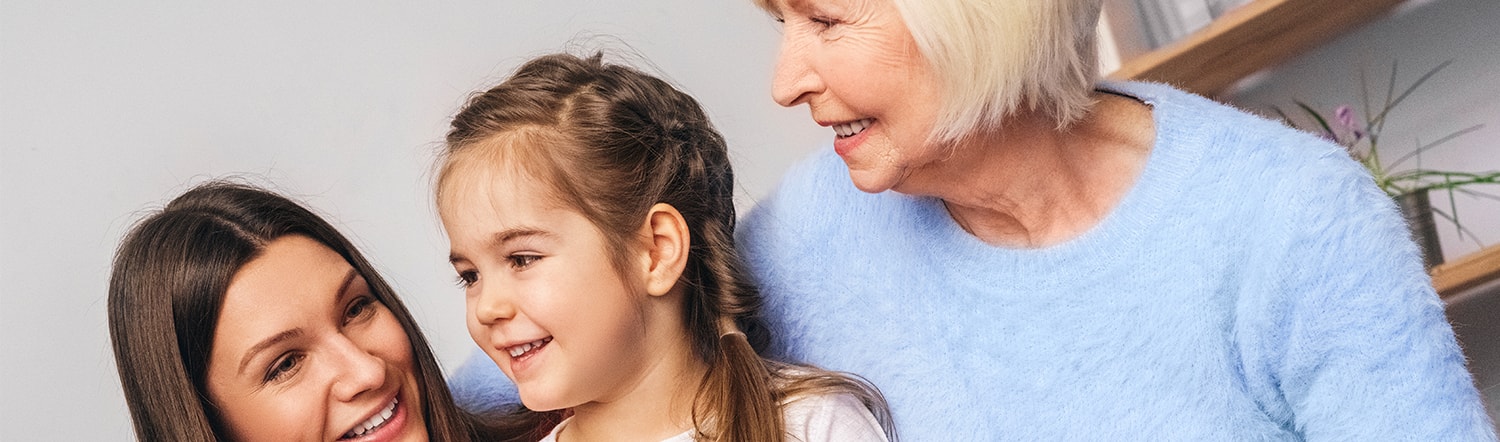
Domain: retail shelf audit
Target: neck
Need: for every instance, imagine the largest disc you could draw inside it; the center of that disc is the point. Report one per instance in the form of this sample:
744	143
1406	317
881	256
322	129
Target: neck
657	405
1031	185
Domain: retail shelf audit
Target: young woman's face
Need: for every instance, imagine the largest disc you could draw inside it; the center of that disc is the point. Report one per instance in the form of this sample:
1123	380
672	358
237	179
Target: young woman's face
857	67
544	300
303	351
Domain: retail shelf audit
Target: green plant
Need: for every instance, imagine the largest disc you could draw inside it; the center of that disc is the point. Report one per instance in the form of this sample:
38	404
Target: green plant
1361	140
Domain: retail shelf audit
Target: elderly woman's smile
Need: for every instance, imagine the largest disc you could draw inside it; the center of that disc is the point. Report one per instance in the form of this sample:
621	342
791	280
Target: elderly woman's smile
856	66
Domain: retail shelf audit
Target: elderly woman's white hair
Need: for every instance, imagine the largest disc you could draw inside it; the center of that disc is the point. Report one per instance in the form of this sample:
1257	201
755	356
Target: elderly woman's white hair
995	57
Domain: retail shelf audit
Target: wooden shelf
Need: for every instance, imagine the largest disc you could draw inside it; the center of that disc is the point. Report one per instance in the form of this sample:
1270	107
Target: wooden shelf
1252	37
1469	271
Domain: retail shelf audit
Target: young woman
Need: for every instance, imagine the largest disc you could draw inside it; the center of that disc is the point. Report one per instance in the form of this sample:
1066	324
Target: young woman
237	314
589	207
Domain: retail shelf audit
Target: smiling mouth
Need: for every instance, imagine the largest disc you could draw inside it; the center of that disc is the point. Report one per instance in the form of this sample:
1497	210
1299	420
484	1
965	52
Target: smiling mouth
523	350
373	423
852	128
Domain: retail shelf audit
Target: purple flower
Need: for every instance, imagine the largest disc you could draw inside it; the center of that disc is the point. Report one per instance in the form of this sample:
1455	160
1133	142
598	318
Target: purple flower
1345	116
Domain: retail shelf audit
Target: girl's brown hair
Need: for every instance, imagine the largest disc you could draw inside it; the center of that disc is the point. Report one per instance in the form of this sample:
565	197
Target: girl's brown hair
168	283
612	142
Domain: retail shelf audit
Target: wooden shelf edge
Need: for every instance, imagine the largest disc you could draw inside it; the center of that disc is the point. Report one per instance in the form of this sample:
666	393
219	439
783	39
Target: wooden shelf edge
1252	37
1469	271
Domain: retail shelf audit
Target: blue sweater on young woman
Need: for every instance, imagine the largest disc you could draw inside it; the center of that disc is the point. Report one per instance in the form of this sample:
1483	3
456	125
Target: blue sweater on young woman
1253	284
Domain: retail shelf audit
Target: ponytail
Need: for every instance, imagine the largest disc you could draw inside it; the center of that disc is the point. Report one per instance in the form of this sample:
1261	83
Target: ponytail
740	397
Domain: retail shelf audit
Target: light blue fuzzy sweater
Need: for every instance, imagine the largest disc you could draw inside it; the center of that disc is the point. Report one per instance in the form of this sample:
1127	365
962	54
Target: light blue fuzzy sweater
1253	285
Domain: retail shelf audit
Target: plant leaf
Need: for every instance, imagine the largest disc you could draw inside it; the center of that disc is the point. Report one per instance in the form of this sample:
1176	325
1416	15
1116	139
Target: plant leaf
1428	146
1323	123
1462	231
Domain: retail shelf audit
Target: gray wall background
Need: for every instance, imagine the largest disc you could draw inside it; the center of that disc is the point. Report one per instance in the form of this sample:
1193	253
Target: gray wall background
108	109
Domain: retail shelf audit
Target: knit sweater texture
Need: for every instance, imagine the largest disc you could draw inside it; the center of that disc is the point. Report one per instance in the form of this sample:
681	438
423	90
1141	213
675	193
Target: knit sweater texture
1253	284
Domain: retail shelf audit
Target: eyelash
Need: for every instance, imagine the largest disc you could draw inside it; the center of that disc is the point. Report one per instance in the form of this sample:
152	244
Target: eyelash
284	367
365	306
467	278
519	261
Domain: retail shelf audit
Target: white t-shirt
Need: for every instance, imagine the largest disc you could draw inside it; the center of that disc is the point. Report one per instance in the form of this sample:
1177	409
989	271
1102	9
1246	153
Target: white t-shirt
838	417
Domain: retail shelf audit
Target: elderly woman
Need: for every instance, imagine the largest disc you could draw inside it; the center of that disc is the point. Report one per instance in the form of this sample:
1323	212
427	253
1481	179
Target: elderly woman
1029	253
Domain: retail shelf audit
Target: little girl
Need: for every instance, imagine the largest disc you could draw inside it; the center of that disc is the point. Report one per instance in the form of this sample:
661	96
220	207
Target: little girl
590	213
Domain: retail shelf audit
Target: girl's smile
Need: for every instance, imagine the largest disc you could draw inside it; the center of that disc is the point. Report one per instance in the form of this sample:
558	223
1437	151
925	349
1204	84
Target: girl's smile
525	356
545	298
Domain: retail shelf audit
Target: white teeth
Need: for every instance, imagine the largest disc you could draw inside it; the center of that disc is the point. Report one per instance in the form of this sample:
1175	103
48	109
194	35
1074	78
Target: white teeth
374	422
852	128
517	351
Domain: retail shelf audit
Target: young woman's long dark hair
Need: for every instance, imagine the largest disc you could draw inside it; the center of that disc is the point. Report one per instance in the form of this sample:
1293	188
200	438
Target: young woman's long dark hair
612	142
169	280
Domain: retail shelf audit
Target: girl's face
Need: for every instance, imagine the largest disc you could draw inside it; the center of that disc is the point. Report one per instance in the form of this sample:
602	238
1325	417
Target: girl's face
857	67
544	299
303	351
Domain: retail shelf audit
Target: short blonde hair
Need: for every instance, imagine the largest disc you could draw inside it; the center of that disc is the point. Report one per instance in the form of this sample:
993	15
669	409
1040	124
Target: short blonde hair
995	56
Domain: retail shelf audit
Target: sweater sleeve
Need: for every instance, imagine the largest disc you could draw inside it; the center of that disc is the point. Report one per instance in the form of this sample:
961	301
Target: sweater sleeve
480	387
1359	347
772	239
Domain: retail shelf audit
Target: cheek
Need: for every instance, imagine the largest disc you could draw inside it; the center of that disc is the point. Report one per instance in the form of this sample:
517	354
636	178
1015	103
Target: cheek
611	311
273	415
388	340
471	320
481	337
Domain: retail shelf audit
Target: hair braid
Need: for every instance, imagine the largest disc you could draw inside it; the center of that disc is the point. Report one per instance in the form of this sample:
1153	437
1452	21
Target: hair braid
612	142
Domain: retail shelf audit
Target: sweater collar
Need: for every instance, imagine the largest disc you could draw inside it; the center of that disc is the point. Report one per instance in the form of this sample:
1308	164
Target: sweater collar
1117	238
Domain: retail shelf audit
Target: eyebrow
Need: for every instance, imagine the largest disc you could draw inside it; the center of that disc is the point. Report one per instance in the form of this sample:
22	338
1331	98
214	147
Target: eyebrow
505	236
292	333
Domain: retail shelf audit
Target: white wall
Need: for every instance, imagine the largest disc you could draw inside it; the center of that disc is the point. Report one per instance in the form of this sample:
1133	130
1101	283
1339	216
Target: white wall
1419	37
110	108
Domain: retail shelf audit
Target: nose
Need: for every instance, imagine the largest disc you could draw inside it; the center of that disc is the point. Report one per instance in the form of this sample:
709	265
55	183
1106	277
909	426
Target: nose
492	304
794	80
358	369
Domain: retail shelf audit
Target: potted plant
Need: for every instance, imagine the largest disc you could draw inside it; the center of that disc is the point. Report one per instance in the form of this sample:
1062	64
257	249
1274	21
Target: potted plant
1403	178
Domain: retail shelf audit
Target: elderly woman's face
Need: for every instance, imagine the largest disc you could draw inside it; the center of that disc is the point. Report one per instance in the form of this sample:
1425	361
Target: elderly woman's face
303	351
855	64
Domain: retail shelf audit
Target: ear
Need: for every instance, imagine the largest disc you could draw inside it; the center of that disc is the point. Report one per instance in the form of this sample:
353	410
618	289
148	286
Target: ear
667	248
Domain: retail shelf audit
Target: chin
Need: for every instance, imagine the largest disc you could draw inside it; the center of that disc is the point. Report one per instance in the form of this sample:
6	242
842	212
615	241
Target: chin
541	402
871	182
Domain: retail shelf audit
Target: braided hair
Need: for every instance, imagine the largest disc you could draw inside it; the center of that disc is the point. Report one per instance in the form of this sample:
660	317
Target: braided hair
612	142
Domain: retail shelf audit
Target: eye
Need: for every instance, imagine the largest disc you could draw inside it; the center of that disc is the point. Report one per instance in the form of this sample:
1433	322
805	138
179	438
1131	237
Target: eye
519	261
360	307
467	278
822	22
285	367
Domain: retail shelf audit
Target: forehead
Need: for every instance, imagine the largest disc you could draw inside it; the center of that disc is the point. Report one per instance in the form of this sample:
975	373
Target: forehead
778	6
495	193
293	279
